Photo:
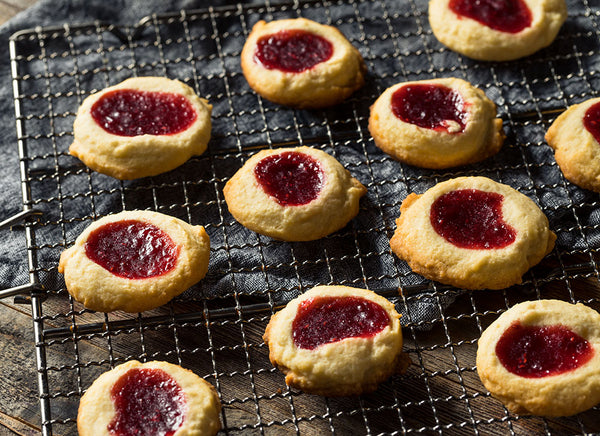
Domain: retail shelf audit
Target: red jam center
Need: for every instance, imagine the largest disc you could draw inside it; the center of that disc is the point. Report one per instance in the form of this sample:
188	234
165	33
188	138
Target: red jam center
292	178
431	107
292	51
591	121
541	351
470	218
147	402
323	320
510	16
129	112
132	249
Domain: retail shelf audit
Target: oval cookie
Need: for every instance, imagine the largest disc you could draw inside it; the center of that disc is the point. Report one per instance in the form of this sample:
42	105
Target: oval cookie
471	233
336	340
134	261
141	127
488	30
301	63
437	123
293	194
149	399
543	358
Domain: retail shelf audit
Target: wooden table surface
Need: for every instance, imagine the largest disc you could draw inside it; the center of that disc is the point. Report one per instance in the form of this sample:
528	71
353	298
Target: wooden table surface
10	8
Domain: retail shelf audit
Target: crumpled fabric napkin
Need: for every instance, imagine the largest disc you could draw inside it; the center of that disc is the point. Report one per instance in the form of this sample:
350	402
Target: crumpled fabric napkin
243	262
13	255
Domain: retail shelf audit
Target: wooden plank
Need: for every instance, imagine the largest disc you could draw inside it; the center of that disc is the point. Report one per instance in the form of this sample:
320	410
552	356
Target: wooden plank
17	426
7	11
18	4
10	8
18	384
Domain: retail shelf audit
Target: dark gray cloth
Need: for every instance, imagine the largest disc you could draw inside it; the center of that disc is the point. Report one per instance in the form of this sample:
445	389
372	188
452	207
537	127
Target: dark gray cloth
13	256
13	262
528	93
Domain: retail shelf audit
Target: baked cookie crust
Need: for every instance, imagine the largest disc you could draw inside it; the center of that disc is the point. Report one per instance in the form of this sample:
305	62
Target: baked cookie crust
97	410
350	366
434	257
336	204
132	157
478	41
481	138
563	394
99	289
576	150
325	84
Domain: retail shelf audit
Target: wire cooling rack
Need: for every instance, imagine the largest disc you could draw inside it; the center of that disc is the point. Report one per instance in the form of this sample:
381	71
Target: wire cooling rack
215	328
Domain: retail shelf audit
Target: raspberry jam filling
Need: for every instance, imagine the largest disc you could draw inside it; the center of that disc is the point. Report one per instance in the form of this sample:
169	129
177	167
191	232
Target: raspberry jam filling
470	218
147	402
541	351
322	320
591	121
132	249
292	178
509	16
431	107
292	51
130	112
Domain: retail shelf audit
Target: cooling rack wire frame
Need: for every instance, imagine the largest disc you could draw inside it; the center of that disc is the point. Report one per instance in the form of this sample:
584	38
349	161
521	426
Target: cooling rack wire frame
215	328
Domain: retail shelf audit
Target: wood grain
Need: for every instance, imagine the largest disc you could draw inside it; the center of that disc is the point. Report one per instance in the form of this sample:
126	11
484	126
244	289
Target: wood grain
19	404
10	8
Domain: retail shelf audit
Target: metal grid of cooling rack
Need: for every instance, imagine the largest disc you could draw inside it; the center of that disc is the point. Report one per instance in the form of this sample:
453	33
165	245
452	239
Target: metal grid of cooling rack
215	328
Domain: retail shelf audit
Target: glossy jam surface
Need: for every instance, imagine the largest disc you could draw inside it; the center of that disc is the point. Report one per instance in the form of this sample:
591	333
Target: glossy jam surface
541	351
322	320
132	249
509	16
292	178
433	107
130	112
148	402
470	218
292	51
591	121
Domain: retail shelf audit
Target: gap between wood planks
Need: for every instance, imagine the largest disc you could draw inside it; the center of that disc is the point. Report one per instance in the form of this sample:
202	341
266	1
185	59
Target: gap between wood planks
17	426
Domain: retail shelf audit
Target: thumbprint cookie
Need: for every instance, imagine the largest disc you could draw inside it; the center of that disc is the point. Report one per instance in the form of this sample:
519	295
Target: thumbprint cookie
575	138
543	358
301	63
437	123
471	233
152	398
141	127
293	194
336	341
134	261
488	30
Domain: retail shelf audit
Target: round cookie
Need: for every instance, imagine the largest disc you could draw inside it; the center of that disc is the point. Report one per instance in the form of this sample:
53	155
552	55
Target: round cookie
141	127
485	31
149	398
471	233
575	138
543	358
301	63
437	123
336	340
293	194
134	261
